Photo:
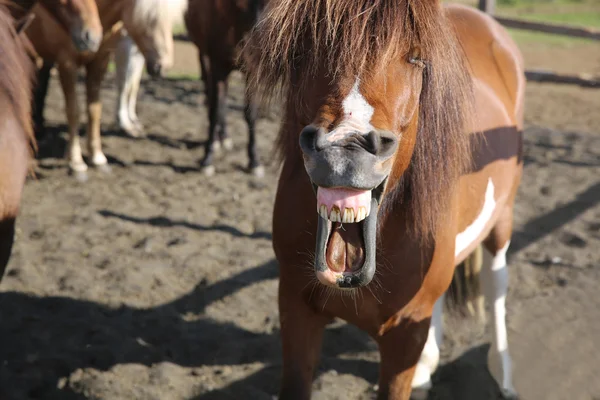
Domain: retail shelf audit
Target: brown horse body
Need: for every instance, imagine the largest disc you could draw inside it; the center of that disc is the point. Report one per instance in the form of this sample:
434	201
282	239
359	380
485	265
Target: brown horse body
53	45
383	141
217	27
16	136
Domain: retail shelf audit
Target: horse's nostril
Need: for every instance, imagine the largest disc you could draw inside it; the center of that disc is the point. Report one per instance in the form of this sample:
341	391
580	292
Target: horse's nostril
309	139
386	143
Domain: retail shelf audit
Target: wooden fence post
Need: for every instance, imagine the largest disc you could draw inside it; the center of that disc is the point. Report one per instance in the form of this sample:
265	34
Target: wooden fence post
488	6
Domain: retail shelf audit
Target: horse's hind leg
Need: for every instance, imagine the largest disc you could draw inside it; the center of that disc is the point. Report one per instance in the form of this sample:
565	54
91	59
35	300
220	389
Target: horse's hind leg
39	99
68	81
7	236
223	89
215	86
94	76
430	356
494	282
251	113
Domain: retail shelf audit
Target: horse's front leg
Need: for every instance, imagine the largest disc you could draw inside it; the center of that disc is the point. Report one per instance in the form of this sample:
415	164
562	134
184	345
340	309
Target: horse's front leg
123	66
39	99
215	82
301	337
400	349
134	76
95	74
251	114
68	81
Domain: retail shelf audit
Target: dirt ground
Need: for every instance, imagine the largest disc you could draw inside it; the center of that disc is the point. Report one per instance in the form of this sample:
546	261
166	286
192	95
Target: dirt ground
156	282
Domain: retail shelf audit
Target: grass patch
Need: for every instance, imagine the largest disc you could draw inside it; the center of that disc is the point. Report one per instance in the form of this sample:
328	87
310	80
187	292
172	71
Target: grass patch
183	76
582	13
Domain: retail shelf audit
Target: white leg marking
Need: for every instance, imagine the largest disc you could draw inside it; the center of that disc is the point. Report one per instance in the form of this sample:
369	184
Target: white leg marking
134	76
74	155
473	231
130	67
122	61
430	357
494	281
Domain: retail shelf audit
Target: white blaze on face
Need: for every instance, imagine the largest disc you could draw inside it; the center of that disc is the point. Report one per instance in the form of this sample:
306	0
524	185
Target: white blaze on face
357	115
473	231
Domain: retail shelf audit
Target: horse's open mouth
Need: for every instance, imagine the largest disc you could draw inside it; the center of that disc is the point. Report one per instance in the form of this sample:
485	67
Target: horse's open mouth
346	236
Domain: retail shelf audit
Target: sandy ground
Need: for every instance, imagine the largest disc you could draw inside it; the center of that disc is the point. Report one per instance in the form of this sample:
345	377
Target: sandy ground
156	282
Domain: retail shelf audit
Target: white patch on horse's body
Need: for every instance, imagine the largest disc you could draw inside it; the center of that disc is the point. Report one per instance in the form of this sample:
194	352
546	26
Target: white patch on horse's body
494	281
474	231
430	357
357	115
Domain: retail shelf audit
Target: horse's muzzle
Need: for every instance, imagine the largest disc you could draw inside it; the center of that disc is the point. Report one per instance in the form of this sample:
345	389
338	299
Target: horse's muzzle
355	160
86	40
154	69
349	171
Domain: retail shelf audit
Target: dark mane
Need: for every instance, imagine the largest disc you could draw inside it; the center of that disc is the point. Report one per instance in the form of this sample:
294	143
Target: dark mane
356	38
16	70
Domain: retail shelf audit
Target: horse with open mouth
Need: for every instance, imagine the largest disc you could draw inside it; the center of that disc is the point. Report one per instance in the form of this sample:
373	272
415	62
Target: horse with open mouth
401	145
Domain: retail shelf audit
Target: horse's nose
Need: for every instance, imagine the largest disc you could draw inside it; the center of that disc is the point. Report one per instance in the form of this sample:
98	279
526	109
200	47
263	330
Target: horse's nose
381	144
154	69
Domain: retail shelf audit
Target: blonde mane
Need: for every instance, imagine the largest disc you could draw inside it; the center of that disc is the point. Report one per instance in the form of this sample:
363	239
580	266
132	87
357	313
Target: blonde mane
159	12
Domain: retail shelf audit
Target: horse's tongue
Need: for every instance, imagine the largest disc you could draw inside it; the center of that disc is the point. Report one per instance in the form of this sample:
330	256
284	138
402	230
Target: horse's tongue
343	205
345	250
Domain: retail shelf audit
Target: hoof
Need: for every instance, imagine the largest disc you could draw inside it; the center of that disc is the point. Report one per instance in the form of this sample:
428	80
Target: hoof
80	176
208	170
216	147
104	168
509	394
258	171
227	144
419	394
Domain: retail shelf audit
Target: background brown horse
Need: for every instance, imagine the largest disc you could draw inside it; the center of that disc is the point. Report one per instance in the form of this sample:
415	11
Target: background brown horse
217	27
16	135
53	46
380	99
78	17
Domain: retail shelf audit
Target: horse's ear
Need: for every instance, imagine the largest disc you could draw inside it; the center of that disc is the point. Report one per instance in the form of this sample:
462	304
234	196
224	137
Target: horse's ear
22	23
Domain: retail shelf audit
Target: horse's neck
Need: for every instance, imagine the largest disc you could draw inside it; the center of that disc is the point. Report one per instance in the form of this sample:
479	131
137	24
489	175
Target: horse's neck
111	12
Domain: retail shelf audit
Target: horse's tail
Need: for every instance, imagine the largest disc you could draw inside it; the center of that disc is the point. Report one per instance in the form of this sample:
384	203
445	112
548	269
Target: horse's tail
464	296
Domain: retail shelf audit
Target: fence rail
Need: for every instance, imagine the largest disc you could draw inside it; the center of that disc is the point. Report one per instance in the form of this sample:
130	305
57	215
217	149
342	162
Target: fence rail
584	80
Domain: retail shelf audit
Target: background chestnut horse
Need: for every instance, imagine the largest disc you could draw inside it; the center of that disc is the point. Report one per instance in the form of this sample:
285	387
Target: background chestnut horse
129	63
52	45
78	17
217	27
380	171
16	134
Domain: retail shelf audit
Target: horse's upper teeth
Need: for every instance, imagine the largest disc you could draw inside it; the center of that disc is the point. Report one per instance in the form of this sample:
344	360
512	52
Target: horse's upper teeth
335	215
349	215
